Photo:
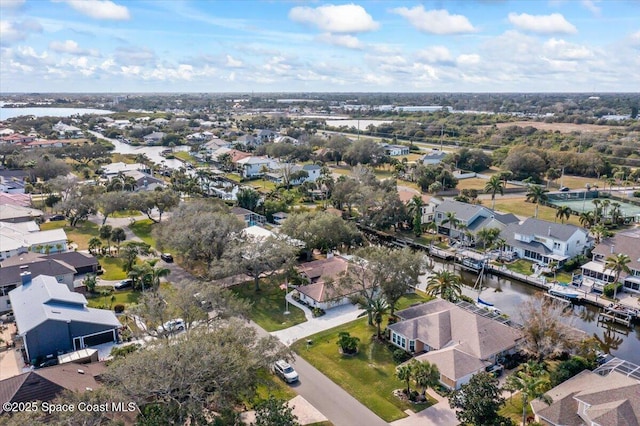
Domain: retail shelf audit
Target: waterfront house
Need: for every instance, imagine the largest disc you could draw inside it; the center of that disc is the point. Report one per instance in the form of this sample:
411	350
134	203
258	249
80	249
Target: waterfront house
428	209
53	320
594	273
471	218
248	217
607	396
544	242
459	342
154	138
254	166
67	131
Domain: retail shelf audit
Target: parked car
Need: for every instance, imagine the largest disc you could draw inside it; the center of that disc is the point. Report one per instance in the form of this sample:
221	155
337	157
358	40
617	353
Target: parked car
172	326
167	257
565	189
285	371
496	370
128	283
57	217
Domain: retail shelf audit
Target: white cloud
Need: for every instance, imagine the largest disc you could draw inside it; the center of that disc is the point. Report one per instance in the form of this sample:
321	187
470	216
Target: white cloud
343	40
17	31
233	63
134	56
542	24
71	47
560	49
346	18
591	5
99	9
435	21
11	4
466	60
436	55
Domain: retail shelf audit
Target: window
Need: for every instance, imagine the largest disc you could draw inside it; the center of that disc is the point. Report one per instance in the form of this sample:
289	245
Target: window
412	345
556	245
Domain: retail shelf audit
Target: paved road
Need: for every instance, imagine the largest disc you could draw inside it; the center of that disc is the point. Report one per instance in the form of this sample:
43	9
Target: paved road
336	404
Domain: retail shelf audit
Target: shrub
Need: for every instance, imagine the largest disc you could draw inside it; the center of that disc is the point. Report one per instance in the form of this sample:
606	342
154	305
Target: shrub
400	356
609	289
467	299
317	312
636	194
347	343
123	351
567	369
119	308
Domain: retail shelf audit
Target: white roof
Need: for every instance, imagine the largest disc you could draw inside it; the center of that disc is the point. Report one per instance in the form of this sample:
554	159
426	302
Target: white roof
15	237
11	211
115	168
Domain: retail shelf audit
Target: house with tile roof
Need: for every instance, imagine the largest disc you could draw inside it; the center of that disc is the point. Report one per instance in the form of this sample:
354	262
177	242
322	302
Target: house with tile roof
603	397
53	320
459	342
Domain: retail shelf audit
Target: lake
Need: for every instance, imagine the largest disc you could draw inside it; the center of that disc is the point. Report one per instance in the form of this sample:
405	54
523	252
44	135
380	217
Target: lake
6	113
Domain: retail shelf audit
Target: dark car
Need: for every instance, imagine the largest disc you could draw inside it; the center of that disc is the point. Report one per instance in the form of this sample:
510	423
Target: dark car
565	189
57	217
166	257
128	283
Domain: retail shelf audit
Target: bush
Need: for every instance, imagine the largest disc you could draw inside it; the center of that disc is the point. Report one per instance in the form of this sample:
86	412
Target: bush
567	369
610	288
119	308
467	299
400	356
636	194
317	312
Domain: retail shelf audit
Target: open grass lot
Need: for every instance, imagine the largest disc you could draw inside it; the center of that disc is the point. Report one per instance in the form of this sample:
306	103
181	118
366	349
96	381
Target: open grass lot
142	229
79	235
520	207
262	185
269	305
112	268
124	297
578	182
369	376
479	184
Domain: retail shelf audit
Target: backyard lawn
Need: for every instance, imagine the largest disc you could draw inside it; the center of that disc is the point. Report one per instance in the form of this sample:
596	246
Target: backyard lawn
513	409
142	229
79	235
269	305
521	266
124	297
369	376
112	268
520	207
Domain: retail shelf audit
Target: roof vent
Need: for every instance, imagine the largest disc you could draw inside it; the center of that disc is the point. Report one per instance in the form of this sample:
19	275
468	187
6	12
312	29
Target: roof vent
80	371
88	389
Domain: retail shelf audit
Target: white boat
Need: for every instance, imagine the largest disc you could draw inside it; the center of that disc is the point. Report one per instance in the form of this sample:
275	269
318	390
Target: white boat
564	291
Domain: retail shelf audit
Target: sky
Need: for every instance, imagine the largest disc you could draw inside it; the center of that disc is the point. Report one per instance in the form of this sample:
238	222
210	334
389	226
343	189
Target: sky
316	46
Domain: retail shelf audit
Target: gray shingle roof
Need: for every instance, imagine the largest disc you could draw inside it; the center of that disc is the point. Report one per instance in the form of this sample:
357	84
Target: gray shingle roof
51	267
463	211
46	299
558	231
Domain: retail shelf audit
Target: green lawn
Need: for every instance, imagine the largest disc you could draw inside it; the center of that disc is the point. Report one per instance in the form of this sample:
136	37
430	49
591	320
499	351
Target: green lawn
521	266
142	229
271	385
269	305
519	207
369	376
124	297
185	156
112	268
513	409
79	235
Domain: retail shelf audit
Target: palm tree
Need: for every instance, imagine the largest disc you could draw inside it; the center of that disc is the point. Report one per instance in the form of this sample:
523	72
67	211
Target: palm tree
452	220
94	243
599	232
536	194
494	185
563	212
445	284
425	374
155	274
532	382
618	264
587	219
605	207
404	374
415	209
376	309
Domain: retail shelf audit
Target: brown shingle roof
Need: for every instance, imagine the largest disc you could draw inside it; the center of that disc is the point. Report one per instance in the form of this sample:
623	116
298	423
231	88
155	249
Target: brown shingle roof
320	271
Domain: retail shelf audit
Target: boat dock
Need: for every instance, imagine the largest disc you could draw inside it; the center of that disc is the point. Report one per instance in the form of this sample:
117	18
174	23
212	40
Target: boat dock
440	253
618	314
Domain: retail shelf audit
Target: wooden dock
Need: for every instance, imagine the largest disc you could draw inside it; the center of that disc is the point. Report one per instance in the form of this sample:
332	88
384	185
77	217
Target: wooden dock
442	254
608	317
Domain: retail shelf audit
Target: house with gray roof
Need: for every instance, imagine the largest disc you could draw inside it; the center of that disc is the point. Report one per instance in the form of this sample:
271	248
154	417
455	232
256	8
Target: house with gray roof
433	157
53	320
604	397
594	273
154	138
544	242
459	342
471	218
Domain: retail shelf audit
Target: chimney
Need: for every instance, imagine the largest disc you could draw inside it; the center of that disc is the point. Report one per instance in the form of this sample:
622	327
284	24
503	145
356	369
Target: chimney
25	277
612	246
549	233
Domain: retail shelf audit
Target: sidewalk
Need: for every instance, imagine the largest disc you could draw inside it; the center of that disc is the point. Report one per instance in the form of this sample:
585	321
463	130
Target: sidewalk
333	318
439	414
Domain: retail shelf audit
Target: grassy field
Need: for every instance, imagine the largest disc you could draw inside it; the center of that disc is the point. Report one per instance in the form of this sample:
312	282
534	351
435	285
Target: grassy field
477	183
79	235
124	297
112	268
520	207
142	229
579	182
369	376
269	305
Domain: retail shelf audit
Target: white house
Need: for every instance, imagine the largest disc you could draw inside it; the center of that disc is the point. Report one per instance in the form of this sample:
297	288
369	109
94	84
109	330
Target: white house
254	166
67	131
16	238
395	150
543	241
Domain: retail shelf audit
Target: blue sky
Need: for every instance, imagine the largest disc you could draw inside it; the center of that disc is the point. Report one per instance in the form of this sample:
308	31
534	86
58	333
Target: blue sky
297	46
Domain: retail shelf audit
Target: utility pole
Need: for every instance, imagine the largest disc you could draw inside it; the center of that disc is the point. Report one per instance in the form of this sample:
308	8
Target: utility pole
441	136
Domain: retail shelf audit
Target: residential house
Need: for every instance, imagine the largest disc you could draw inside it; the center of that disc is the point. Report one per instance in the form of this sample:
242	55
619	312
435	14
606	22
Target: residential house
428	209
461	343
114	169
17	138
594	274
213	145
13	181
395	150
543	241
10	274
265	135
323	290
247	140
433	157
248	217
47	384
17	238
279	217
46	143
12	213
160	121
277	174
53	320
250	167
607	396
154	138
234	154
286	139
21	200
471	219
67	131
